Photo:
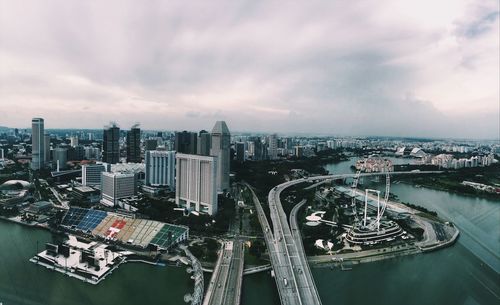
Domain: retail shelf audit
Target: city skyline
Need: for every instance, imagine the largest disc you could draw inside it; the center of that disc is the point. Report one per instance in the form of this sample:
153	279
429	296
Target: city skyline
413	69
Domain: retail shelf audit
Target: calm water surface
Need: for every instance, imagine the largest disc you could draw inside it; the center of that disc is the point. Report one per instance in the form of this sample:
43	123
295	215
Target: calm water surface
467	273
22	282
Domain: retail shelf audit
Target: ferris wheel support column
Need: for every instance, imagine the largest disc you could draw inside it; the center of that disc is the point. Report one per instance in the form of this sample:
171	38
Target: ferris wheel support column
366	206
378	211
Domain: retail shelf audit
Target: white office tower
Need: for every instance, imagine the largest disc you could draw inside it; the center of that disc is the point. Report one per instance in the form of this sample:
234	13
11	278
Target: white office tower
221	142
160	168
91	173
37	141
273	147
115	186
73	141
196	183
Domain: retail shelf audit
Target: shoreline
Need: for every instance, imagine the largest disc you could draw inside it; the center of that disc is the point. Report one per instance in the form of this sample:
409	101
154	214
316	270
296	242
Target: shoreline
442	189
368	256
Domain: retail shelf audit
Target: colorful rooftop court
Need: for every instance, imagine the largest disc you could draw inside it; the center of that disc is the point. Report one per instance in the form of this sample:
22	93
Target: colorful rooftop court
127	230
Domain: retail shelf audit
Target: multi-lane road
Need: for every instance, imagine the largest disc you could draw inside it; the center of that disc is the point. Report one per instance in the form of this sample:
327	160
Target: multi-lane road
293	271
225	284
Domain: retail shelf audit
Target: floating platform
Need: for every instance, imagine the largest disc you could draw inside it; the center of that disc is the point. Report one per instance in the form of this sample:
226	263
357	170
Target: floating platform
89	262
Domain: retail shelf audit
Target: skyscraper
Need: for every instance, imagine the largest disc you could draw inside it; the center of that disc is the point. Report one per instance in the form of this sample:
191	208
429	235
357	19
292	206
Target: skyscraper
111	145
220	148
60	157
160	168
204	140
255	148
37	141
47	148
196	183
73	141
151	144
185	142
273	147
239	147
134	145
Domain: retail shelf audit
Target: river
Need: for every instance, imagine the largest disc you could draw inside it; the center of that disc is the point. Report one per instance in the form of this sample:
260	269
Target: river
466	273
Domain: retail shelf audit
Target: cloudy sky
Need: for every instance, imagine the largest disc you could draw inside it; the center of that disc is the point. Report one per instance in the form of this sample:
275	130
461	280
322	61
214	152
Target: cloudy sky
401	68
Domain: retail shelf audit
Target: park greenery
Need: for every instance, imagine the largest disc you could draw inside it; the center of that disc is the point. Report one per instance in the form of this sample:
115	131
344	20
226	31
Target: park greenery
451	180
205	251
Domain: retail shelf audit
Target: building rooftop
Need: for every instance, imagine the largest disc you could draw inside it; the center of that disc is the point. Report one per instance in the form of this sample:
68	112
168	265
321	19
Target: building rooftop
220	127
84	189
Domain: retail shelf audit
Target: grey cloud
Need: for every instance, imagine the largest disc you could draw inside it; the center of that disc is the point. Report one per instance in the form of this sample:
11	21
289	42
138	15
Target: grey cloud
479	26
326	66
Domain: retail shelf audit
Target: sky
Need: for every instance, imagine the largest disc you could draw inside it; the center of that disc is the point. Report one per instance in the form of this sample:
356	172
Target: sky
397	68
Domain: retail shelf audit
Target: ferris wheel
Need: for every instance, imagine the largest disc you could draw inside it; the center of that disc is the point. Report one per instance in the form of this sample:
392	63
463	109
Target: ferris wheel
381	206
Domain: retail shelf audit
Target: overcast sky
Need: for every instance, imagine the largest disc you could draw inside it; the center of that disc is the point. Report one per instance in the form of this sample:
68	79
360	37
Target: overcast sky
400	68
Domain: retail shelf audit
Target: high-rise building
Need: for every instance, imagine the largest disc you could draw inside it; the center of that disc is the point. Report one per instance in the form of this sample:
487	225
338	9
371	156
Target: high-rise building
160	168
76	153
299	151
204	143
151	144
273	147
256	149
47	148
111	144
251	149
115	186
185	142
37	143
239	147
60	157
73	141
91	153
134	145
91	173
196	183
220	148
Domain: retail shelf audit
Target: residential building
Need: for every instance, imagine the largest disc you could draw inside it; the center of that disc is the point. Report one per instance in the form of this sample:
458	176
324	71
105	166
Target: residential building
73	141
273	147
